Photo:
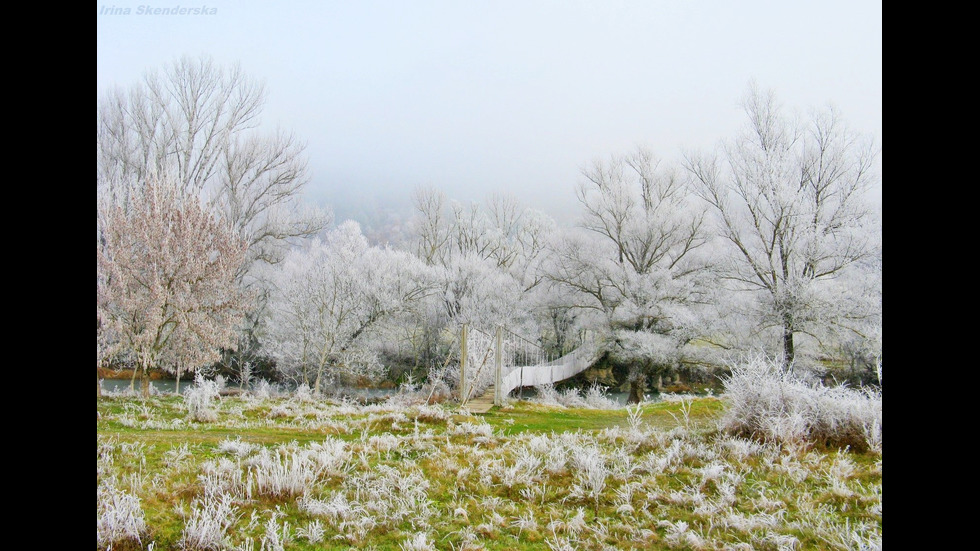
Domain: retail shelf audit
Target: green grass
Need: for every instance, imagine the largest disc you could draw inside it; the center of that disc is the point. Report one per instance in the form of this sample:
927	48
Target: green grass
465	466
524	417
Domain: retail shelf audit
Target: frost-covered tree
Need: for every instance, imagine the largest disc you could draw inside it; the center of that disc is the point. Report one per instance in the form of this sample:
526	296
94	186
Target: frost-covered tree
476	291
489	258
200	123
330	294
167	270
788	198
105	341
512	238
431	228
637	266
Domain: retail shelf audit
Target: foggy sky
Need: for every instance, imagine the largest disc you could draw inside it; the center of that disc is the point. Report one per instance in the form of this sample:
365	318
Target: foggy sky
473	97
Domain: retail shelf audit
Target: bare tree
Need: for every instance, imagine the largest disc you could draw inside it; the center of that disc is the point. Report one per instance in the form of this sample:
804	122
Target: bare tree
167	279
501	231
198	123
642	209
431	227
788	199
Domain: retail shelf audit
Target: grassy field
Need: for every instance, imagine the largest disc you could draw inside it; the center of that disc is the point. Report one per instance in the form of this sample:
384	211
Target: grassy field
299	473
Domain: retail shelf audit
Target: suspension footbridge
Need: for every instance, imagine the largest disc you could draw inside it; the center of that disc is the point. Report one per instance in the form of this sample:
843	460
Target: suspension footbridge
491	366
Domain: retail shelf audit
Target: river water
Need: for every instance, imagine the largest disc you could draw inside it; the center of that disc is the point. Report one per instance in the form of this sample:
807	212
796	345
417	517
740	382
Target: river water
170	385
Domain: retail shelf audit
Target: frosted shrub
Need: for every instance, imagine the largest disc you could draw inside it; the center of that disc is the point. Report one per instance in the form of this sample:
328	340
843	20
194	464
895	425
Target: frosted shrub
570	398
303	394
273	540
223	477
482	431
440	386
591	472
547	395
767	401
405	398
236	447
420	542
291	475
120	517
263	389
331	456
872	435
199	399
313	532
595	398
207	527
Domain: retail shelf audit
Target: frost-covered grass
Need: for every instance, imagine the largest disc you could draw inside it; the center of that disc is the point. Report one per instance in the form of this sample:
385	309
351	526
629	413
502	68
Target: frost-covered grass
276	471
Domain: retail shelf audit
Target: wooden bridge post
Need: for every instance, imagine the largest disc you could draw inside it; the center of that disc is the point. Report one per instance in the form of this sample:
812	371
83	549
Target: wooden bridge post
498	364
462	364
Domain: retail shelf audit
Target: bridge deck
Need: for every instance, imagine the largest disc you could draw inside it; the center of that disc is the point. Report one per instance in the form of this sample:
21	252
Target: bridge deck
482	403
570	365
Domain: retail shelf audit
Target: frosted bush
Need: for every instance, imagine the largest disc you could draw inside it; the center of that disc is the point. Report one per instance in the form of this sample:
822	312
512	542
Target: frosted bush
303	394
596	398
290	475
769	402
263	389
313	532
223	477
199	399
570	398
120	517
439	386
210	519
593	398
273	540
419	542
406	397
236	447
547	395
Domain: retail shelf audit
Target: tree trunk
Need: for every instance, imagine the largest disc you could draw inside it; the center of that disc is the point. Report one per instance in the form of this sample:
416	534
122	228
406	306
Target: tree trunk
145	383
132	382
177	387
636	390
98	384
789	352
144	371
